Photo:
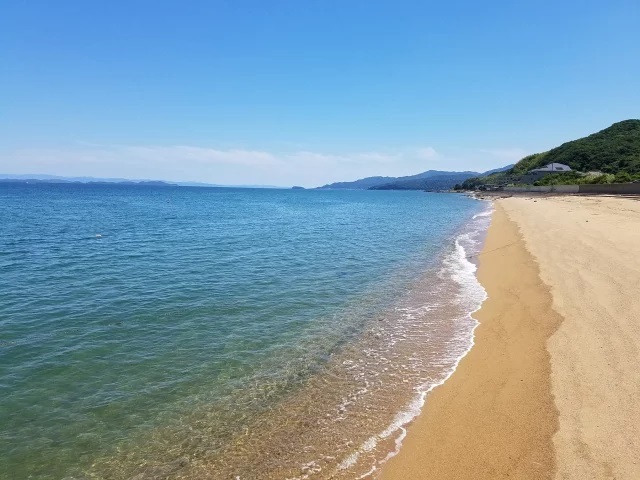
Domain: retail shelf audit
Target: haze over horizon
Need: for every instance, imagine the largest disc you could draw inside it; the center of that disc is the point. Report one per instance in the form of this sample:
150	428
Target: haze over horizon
306	94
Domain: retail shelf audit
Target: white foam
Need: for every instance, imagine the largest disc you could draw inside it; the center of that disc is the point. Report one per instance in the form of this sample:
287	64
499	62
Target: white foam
486	213
472	294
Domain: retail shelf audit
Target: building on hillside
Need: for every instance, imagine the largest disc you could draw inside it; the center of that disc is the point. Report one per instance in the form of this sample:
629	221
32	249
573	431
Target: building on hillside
553	168
538	173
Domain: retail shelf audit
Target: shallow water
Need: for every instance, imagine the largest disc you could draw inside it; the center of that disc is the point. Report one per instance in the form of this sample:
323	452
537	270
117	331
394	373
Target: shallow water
157	332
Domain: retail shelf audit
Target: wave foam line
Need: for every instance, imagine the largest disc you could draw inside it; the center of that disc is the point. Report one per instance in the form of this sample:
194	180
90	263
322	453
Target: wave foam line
465	276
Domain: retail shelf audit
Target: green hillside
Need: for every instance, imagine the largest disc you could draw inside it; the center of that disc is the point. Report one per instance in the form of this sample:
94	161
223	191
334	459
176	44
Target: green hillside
614	151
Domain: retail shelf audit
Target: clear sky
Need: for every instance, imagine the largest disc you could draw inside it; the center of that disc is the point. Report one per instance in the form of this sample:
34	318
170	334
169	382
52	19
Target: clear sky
306	92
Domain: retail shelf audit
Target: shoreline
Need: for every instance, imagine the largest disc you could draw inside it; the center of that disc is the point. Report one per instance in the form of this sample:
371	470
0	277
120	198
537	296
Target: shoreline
459	265
550	389
477	423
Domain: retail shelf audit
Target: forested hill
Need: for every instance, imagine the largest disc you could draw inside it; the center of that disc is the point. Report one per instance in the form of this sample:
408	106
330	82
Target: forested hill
611	150
614	151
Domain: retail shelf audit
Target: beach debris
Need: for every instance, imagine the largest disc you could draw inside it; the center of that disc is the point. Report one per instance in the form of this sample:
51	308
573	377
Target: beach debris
311	468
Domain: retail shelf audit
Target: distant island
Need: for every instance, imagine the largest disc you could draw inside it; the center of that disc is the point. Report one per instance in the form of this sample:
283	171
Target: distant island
611	155
55	179
29	180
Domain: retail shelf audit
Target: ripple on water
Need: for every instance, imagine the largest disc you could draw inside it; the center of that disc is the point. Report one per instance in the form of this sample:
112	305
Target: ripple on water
349	416
215	334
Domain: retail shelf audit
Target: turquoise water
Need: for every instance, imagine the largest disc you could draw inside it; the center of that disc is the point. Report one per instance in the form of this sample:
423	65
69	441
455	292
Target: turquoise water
135	319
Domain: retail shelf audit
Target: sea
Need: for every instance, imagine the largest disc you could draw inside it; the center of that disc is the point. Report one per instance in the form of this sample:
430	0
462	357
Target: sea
156	332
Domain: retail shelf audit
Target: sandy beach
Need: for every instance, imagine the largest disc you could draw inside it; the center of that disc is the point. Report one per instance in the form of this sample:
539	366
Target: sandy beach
551	388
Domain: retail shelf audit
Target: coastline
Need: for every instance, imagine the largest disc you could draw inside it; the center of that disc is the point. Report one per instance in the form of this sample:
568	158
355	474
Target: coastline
550	388
495	416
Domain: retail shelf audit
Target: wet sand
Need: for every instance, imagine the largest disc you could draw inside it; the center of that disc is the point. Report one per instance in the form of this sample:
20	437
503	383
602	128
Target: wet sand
552	387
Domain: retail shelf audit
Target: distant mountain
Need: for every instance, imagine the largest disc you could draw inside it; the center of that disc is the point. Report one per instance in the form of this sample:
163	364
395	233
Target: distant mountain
429	180
57	179
371	182
433	183
49	181
362	184
498	170
36	178
40	178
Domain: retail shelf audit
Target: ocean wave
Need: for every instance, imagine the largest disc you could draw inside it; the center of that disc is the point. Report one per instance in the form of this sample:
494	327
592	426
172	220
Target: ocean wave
486	213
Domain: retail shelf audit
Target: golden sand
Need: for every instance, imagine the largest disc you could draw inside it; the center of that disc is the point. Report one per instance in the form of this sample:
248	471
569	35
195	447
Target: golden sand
552	387
495	417
588	250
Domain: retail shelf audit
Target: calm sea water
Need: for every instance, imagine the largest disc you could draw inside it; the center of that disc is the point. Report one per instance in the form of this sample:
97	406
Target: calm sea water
157	332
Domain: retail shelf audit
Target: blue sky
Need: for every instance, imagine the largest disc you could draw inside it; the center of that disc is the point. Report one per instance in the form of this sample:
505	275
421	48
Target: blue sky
306	92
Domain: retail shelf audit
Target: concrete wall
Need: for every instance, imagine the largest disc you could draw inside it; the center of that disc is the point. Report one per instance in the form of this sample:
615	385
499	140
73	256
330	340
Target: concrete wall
545	189
610	188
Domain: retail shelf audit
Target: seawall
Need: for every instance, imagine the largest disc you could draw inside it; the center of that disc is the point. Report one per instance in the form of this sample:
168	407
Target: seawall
607	188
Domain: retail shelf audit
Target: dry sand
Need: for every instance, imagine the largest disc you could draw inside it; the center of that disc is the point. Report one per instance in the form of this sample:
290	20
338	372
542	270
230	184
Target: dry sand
588	250
552	387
